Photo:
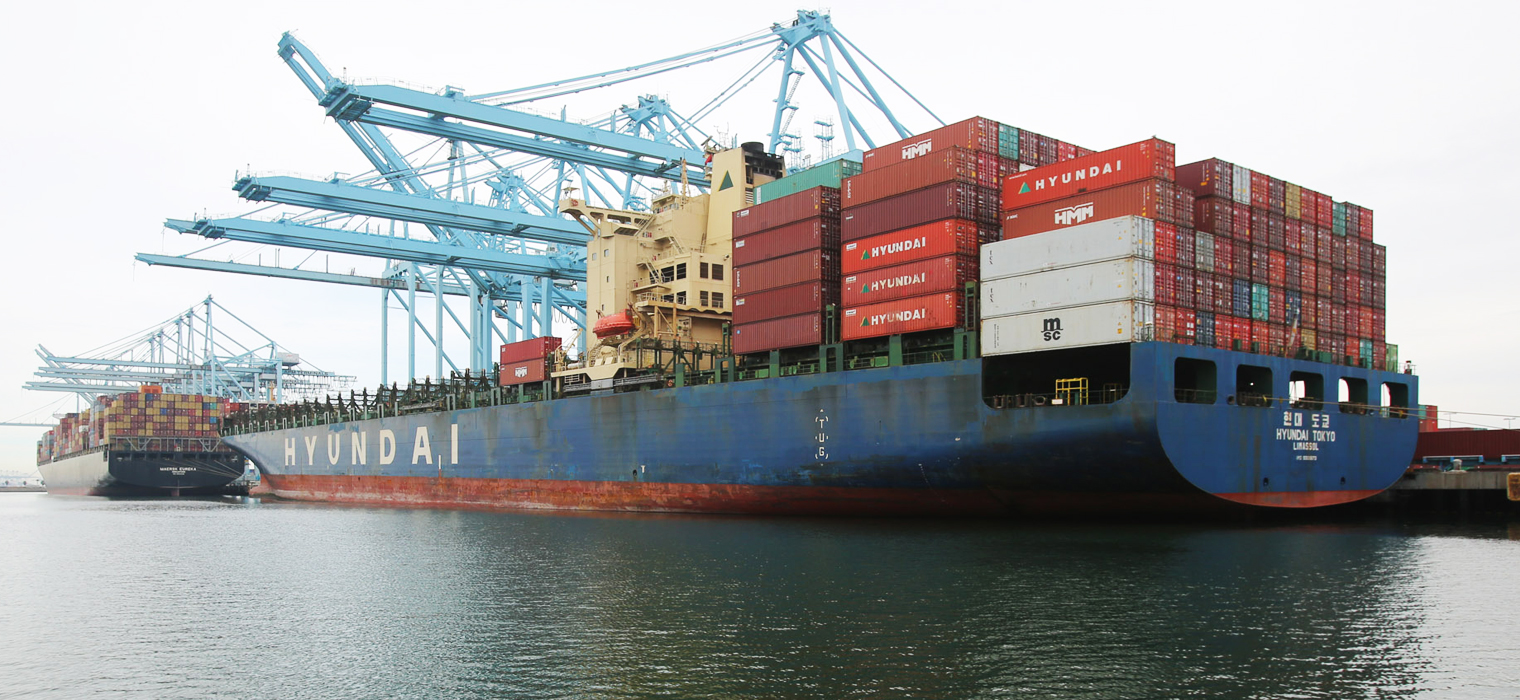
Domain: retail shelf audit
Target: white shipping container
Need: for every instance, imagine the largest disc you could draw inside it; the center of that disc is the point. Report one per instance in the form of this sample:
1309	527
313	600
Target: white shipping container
1240	185
1114	280
1110	239
1203	251
1078	326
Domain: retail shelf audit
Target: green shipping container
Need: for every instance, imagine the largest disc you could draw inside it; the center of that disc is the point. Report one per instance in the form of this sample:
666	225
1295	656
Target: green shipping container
1008	141
1393	358
827	175
1338	218
1261	302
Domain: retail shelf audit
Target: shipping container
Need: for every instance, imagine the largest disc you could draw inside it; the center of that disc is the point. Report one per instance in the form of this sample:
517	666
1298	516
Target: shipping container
1129	279
946	165
809	266
1153	199
523	372
807	204
809	234
939	239
911	315
808	297
951	200
1214	215
778	333
1146	160
1077	326
532	349
829	174
937	275
1240	185
1208	178
1122	237
974	134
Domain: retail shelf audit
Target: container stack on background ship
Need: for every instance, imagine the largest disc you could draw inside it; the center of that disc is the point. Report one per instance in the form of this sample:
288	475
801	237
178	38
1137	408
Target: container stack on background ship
146	414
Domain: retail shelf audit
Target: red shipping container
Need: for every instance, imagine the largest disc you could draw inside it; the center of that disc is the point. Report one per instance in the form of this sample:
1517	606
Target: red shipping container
1166	324
1203	290
1293	240
1148	159
808	297
1241	222
1166	242
1186	330
1277	194
938	275
974	134
947	165
1214	215
1224	255
1208	178
811	266
1186	288
807	204
1261	335
1065	151
532	349
1294	273
1277	268
930	312
1224	289
525	372
1166	284
941	238
809	234
1277	305
778	333
1151	199
952	200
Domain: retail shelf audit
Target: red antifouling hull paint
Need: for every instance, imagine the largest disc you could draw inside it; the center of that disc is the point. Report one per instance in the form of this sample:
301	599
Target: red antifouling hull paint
526	372
974	134
947	165
809	266
778	333
938	275
819	201
1148	159
941	238
817	233
953	200
532	349
910	315
1153	199
809	297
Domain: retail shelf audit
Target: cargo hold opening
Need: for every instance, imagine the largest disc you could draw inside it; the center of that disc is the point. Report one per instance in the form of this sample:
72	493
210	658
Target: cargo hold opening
1075	376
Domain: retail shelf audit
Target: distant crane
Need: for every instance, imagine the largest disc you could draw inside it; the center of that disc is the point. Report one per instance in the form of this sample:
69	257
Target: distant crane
473	212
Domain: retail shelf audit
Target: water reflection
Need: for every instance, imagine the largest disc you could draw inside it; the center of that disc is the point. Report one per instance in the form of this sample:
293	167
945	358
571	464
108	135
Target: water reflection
360	602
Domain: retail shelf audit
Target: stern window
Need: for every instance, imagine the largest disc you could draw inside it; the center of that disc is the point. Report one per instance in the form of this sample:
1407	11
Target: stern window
1253	386
1353	395
1195	381
1306	390
1396	398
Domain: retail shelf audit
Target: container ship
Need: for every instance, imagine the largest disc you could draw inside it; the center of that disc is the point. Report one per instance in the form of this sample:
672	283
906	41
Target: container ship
142	443
978	320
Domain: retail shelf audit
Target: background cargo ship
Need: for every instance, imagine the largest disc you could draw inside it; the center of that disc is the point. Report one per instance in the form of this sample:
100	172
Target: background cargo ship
1105	357
143	443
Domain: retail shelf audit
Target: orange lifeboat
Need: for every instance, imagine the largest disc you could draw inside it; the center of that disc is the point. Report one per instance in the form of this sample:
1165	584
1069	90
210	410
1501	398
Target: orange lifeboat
616	324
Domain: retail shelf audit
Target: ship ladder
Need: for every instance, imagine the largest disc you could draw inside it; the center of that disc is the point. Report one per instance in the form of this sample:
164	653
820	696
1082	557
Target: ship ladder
1071	392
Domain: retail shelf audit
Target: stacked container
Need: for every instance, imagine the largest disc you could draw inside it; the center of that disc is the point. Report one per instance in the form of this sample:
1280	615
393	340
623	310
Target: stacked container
829	174
146	414
1092	284
527	361
1303	273
786	270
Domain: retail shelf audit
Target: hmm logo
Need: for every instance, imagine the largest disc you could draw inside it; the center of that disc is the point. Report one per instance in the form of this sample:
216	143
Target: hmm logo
1052	329
1074	214
914	150
521	371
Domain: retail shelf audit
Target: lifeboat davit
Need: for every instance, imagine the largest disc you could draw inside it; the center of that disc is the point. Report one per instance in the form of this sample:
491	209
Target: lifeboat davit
616	324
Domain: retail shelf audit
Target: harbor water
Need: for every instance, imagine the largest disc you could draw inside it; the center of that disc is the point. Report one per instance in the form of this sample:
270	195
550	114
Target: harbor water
242	598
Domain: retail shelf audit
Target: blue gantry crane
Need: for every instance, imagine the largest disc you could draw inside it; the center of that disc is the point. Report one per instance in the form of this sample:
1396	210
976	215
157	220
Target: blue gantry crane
516	260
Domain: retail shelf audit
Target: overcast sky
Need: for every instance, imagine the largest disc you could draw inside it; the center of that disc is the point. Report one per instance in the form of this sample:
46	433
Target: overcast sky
119	115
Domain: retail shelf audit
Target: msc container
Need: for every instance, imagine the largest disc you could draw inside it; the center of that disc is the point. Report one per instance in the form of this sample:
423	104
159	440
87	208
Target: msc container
952	200
829	174
810	266
925	313
946	165
1083	285
1148	159
943	274
974	134
939	239
525	372
1077	326
1152	199
778	333
532	349
784	301
818	201
1122	237
1208	178
809	234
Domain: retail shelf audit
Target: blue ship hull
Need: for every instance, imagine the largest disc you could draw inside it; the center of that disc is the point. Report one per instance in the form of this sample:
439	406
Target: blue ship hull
893	440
